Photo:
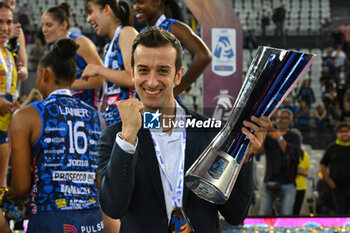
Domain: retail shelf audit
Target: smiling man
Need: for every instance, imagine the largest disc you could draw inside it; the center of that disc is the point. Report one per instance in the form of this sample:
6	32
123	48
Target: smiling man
142	170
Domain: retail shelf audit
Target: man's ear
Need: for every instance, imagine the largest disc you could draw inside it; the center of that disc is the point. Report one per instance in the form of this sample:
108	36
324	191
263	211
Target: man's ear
178	76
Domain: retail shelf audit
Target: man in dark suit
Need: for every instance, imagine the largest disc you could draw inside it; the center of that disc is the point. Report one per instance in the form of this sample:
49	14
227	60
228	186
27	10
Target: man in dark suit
141	170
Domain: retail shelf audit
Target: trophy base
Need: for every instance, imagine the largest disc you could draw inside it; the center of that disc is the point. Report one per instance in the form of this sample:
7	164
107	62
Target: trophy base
212	178
205	190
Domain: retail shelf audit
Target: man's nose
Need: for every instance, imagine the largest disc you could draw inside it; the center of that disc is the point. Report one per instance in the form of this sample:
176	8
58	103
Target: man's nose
152	81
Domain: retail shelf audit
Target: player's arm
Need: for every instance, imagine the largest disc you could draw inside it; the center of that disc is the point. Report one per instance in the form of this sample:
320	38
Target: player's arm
24	129
87	50
198	49
22	68
119	77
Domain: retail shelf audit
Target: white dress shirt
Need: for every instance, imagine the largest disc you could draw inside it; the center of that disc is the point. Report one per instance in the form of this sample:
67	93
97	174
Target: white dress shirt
172	154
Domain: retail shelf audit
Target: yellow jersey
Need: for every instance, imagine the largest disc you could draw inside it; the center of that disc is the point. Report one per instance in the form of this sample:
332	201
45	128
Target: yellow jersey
300	180
7	87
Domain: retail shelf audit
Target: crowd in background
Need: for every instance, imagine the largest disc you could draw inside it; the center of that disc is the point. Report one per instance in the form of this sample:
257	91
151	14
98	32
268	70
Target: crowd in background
334	103
317	119
333	106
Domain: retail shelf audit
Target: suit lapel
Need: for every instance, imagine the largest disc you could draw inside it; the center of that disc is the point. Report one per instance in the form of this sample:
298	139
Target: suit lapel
148	156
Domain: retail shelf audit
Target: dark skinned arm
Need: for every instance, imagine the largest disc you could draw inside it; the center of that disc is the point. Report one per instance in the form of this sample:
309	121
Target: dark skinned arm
196	46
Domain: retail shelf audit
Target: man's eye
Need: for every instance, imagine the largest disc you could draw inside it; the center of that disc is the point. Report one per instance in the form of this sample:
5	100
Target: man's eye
163	71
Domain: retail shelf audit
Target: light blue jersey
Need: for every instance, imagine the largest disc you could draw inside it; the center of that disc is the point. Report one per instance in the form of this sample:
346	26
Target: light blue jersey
113	92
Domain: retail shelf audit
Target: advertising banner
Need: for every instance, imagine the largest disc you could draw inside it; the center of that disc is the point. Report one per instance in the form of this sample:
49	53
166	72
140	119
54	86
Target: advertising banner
222	32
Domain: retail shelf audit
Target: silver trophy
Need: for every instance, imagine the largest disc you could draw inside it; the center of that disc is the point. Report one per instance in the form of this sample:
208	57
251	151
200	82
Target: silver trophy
271	76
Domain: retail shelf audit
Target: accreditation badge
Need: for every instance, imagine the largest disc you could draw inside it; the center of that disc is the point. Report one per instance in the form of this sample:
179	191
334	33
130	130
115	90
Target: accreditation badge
9	97
179	222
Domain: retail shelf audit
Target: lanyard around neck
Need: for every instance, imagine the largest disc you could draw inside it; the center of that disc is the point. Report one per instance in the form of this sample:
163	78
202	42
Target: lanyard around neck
8	66
160	20
176	192
109	53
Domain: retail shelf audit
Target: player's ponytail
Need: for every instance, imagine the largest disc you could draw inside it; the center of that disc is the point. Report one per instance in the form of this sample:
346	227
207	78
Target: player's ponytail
61	59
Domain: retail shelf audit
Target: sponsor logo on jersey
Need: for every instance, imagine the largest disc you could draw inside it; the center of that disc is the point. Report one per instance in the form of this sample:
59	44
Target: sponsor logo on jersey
48	129
70	189
92	228
75	177
54	151
67	228
78	163
112	100
54	140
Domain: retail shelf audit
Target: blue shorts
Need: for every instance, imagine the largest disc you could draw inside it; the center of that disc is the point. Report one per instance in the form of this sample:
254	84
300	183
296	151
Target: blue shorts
69	221
3	137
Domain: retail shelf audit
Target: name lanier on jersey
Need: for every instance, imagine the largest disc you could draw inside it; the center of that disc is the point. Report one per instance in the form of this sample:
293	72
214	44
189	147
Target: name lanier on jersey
71	111
79	112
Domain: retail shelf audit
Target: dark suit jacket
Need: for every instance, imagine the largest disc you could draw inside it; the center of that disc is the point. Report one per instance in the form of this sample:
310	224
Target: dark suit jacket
131	187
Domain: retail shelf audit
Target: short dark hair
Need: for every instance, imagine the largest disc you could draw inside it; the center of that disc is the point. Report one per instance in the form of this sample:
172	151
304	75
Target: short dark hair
341	125
62	60
5	5
155	37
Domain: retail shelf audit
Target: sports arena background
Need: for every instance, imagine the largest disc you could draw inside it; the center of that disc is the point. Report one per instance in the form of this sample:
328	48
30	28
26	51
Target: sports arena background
310	26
